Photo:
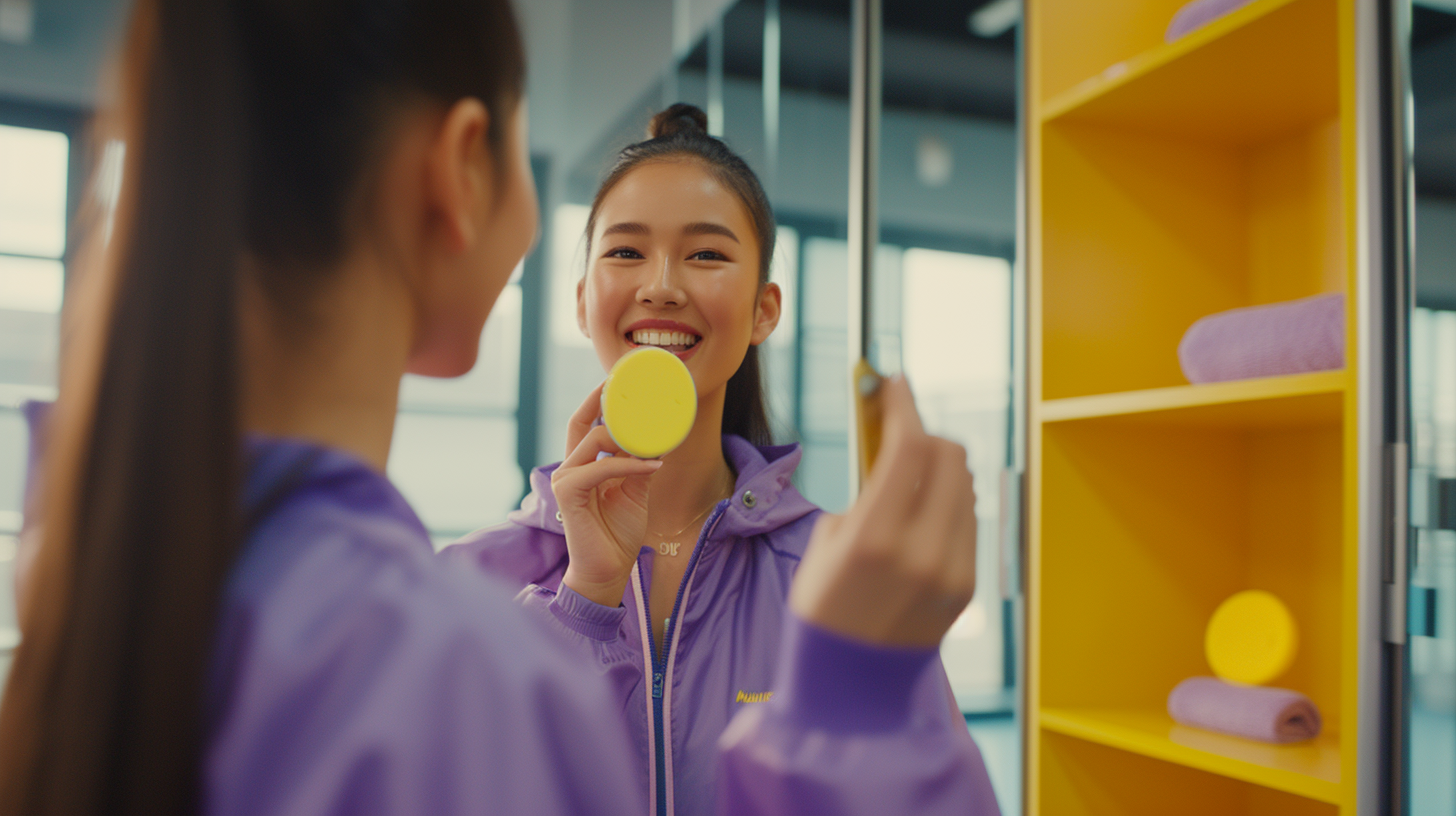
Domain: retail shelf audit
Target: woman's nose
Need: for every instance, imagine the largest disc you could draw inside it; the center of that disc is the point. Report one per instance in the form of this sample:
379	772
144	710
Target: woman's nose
662	287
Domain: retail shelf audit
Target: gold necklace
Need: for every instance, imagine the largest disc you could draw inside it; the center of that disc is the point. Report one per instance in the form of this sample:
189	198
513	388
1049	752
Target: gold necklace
666	545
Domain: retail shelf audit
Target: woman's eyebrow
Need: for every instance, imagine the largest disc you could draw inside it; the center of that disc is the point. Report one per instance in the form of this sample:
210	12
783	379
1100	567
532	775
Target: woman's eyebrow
709	228
627	228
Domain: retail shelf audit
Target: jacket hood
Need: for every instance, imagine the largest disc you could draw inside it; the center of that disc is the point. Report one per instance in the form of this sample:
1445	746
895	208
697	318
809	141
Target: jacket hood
764	497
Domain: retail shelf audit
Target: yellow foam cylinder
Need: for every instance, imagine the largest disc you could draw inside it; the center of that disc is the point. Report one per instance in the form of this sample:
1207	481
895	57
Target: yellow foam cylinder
1251	638
649	402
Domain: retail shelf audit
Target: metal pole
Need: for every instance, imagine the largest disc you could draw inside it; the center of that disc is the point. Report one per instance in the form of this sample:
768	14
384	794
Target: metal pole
864	164
1383	300
771	59
715	79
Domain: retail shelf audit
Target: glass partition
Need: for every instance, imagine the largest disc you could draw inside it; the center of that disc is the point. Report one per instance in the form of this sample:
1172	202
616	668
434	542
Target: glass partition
1431	645
942	307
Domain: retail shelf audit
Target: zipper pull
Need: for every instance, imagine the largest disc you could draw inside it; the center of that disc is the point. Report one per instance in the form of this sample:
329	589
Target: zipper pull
657	685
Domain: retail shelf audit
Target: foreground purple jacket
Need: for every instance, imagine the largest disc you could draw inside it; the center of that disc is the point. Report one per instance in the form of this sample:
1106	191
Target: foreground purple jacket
355	672
750	706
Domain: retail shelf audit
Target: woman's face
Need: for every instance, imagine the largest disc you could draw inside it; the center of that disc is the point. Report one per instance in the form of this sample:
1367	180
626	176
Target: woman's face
674	263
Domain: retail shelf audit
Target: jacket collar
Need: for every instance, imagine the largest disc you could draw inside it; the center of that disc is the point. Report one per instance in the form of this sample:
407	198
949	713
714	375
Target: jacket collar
764	497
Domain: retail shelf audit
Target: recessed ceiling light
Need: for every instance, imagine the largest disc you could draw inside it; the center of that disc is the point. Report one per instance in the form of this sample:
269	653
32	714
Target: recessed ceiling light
995	18
17	21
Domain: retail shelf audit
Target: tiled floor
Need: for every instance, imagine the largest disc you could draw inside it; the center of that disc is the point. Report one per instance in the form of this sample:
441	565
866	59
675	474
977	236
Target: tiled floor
1432	763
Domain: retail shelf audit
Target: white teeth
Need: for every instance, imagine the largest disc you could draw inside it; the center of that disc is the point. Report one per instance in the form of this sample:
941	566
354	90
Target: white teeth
649	337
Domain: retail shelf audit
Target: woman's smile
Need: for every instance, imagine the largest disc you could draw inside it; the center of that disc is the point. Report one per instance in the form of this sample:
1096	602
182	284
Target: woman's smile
679	338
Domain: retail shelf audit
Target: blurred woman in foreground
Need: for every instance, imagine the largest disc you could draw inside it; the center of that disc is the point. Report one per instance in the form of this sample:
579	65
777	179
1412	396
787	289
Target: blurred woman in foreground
232	610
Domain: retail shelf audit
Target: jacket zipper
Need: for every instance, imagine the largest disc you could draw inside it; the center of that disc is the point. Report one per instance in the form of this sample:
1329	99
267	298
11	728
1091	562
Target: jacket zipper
658	668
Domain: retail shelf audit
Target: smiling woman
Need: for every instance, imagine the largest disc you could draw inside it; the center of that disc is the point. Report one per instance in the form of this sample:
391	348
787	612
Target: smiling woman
675	572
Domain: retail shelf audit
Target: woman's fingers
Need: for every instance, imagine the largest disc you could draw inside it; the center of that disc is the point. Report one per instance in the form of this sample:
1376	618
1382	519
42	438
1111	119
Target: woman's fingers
891	491
582	420
941	496
594	441
954	511
965	534
585	477
901	565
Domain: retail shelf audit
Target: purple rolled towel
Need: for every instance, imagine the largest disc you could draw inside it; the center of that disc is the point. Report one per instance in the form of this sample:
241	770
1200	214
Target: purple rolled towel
1266	341
1199	13
1256	712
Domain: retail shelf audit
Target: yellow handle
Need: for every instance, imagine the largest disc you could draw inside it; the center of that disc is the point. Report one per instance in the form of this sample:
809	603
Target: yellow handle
868	417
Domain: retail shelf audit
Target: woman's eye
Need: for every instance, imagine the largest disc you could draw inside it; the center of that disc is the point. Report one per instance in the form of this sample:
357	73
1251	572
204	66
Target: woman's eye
624	252
707	255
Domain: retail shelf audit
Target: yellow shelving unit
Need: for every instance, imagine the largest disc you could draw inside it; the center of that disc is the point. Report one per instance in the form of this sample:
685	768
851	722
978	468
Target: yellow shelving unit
1166	182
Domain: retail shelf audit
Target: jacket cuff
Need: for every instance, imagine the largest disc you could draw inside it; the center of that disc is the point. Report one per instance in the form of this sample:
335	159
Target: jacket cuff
587	617
833	683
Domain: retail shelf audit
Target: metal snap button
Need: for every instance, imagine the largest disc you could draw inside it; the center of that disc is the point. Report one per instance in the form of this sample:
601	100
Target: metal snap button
749	500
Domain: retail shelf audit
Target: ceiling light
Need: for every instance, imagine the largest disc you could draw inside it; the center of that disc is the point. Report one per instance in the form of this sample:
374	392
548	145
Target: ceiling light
995	18
17	21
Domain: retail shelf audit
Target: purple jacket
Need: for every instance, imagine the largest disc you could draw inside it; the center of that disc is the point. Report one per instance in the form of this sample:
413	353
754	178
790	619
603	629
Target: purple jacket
745	686
354	672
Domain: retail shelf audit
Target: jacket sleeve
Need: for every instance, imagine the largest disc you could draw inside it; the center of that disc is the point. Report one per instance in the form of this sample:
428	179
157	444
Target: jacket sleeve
852	728
591	629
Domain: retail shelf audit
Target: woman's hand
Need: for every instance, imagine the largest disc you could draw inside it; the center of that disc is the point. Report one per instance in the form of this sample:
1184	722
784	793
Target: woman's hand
603	506
900	565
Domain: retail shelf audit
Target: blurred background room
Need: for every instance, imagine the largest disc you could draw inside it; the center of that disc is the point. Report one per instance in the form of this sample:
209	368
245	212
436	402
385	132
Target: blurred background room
775	79
774	76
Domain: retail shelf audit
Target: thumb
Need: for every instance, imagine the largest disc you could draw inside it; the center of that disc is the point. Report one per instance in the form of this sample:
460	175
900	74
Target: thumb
901	418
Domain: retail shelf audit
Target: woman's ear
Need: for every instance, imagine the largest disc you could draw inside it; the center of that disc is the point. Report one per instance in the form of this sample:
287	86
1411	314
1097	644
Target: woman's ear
767	313
460	170
581	308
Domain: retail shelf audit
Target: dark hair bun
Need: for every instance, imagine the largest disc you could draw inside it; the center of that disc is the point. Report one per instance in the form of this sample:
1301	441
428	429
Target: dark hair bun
679	118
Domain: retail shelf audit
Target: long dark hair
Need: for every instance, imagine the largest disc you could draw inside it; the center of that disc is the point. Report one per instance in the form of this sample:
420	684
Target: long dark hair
250	128
681	132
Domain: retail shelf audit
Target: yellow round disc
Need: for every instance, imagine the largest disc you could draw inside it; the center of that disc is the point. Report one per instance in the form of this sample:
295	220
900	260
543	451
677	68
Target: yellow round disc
649	402
1251	638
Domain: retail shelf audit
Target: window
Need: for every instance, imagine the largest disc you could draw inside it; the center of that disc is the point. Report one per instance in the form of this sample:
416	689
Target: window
34	171
1433	655
956	335
454	451
944	318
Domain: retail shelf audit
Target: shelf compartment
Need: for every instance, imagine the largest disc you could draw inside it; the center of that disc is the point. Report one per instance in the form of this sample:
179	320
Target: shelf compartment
1082	777
1298	399
1257	72
1311	770
1142	235
1146	527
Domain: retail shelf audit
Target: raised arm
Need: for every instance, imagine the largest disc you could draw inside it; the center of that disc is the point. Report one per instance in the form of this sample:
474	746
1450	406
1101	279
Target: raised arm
857	723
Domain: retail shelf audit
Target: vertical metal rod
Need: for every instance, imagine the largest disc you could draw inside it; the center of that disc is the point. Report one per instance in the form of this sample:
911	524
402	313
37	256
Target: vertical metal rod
1397	185
1014	649
1384	302
864	163
772	46
534	329
715	79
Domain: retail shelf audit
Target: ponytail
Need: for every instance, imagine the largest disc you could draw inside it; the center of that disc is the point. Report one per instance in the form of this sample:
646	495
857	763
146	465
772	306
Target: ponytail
745	412
103	712
248	126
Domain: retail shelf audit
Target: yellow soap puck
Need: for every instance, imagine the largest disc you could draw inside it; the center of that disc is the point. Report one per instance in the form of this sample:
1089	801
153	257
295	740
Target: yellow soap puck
1251	638
649	402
